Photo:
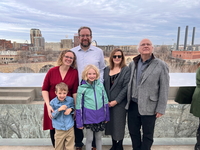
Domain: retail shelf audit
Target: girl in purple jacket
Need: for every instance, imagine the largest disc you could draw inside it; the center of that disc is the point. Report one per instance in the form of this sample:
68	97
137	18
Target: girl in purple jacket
92	111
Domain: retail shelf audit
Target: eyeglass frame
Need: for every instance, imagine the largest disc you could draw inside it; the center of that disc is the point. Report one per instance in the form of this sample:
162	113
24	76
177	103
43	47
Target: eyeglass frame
72	58
87	36
117	56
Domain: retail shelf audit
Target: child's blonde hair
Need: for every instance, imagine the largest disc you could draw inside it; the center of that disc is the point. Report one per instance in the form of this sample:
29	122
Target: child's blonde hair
87	68
61	86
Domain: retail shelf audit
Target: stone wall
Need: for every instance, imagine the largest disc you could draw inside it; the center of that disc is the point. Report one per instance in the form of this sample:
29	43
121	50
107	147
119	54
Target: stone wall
25	121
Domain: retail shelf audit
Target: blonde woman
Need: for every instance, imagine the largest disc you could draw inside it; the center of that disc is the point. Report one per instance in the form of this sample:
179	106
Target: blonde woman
65	72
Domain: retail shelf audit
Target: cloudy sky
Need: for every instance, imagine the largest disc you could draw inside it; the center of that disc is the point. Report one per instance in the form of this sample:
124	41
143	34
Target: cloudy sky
113	22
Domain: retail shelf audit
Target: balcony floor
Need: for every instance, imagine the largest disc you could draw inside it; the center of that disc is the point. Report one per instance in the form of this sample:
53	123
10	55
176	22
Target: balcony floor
44	144
105	147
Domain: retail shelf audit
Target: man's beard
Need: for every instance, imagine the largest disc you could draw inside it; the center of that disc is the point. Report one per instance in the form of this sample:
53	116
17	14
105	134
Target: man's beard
86	45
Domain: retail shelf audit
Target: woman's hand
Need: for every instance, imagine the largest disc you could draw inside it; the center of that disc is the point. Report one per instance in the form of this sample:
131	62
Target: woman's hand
45	95
112	103
50	110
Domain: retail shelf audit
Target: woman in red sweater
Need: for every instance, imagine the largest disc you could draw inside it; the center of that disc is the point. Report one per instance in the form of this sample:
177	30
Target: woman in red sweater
65	72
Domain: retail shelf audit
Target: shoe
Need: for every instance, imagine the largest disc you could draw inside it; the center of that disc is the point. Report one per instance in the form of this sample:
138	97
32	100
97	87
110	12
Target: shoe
119	145
78	148
114	145
197	147
94	148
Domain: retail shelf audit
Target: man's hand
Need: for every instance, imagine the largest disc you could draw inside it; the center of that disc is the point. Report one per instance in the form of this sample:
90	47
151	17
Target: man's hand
158	115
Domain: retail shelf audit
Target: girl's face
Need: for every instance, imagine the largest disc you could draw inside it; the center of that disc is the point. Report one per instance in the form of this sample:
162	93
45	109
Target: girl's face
91	75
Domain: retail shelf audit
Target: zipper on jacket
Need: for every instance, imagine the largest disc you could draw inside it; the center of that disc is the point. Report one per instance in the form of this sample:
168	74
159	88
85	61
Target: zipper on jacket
95	95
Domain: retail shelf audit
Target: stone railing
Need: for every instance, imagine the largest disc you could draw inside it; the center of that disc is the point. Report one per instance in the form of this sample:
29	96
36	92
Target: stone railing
24	119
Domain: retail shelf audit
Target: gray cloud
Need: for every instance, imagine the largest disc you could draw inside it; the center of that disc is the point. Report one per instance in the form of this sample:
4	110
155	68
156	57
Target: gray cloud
113	22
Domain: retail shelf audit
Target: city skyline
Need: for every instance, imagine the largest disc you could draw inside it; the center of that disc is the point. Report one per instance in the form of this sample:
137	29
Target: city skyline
113	22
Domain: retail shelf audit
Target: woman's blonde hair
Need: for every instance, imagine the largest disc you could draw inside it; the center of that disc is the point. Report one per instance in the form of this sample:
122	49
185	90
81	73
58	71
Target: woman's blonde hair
87	68
62	54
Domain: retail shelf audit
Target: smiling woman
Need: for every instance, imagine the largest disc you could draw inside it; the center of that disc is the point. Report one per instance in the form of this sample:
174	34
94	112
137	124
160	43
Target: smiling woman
116	77
65	72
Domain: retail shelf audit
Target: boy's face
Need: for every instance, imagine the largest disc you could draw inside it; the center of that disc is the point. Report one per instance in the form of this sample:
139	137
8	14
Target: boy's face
61	94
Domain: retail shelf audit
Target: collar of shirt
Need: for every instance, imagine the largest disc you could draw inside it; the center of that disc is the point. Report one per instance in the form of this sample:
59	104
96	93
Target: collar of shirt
89	49
137	58
147	61
58	101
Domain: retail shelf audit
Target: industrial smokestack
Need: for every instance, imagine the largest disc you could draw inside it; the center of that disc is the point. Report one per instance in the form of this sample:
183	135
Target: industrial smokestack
178	36
193	34
186	34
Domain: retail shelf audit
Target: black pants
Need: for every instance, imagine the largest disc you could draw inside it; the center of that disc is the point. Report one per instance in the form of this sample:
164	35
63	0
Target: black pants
197	145
135	122
52	133
78	136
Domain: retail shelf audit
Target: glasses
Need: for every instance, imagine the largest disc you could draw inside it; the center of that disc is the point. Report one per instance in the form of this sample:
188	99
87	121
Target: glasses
117	56
87	35
69	57
147	44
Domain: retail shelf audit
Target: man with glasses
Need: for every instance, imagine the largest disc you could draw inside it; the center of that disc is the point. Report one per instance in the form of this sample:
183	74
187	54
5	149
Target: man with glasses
147	95
87	54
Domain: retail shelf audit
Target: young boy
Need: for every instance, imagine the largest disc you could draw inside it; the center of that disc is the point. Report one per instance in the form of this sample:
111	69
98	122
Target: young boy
62	121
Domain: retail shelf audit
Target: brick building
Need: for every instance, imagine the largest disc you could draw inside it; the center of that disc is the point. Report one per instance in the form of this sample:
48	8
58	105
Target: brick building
66	44
76	40
186	54
4	45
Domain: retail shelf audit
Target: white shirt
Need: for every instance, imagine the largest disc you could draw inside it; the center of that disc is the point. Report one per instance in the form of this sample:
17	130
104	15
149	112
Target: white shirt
92	56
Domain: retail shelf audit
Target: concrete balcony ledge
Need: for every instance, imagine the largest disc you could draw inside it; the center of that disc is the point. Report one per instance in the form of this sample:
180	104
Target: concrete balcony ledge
28	86
36	79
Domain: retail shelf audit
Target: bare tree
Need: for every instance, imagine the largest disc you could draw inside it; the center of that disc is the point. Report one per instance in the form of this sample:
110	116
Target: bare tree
23	56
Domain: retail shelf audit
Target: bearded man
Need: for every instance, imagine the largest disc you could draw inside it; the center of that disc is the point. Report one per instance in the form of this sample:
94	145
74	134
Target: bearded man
87	54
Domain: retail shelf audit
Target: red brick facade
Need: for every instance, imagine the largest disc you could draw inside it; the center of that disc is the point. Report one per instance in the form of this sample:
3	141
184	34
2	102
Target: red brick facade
186	54
5	45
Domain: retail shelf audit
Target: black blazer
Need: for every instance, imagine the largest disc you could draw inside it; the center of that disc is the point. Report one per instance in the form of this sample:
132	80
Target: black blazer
118	91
